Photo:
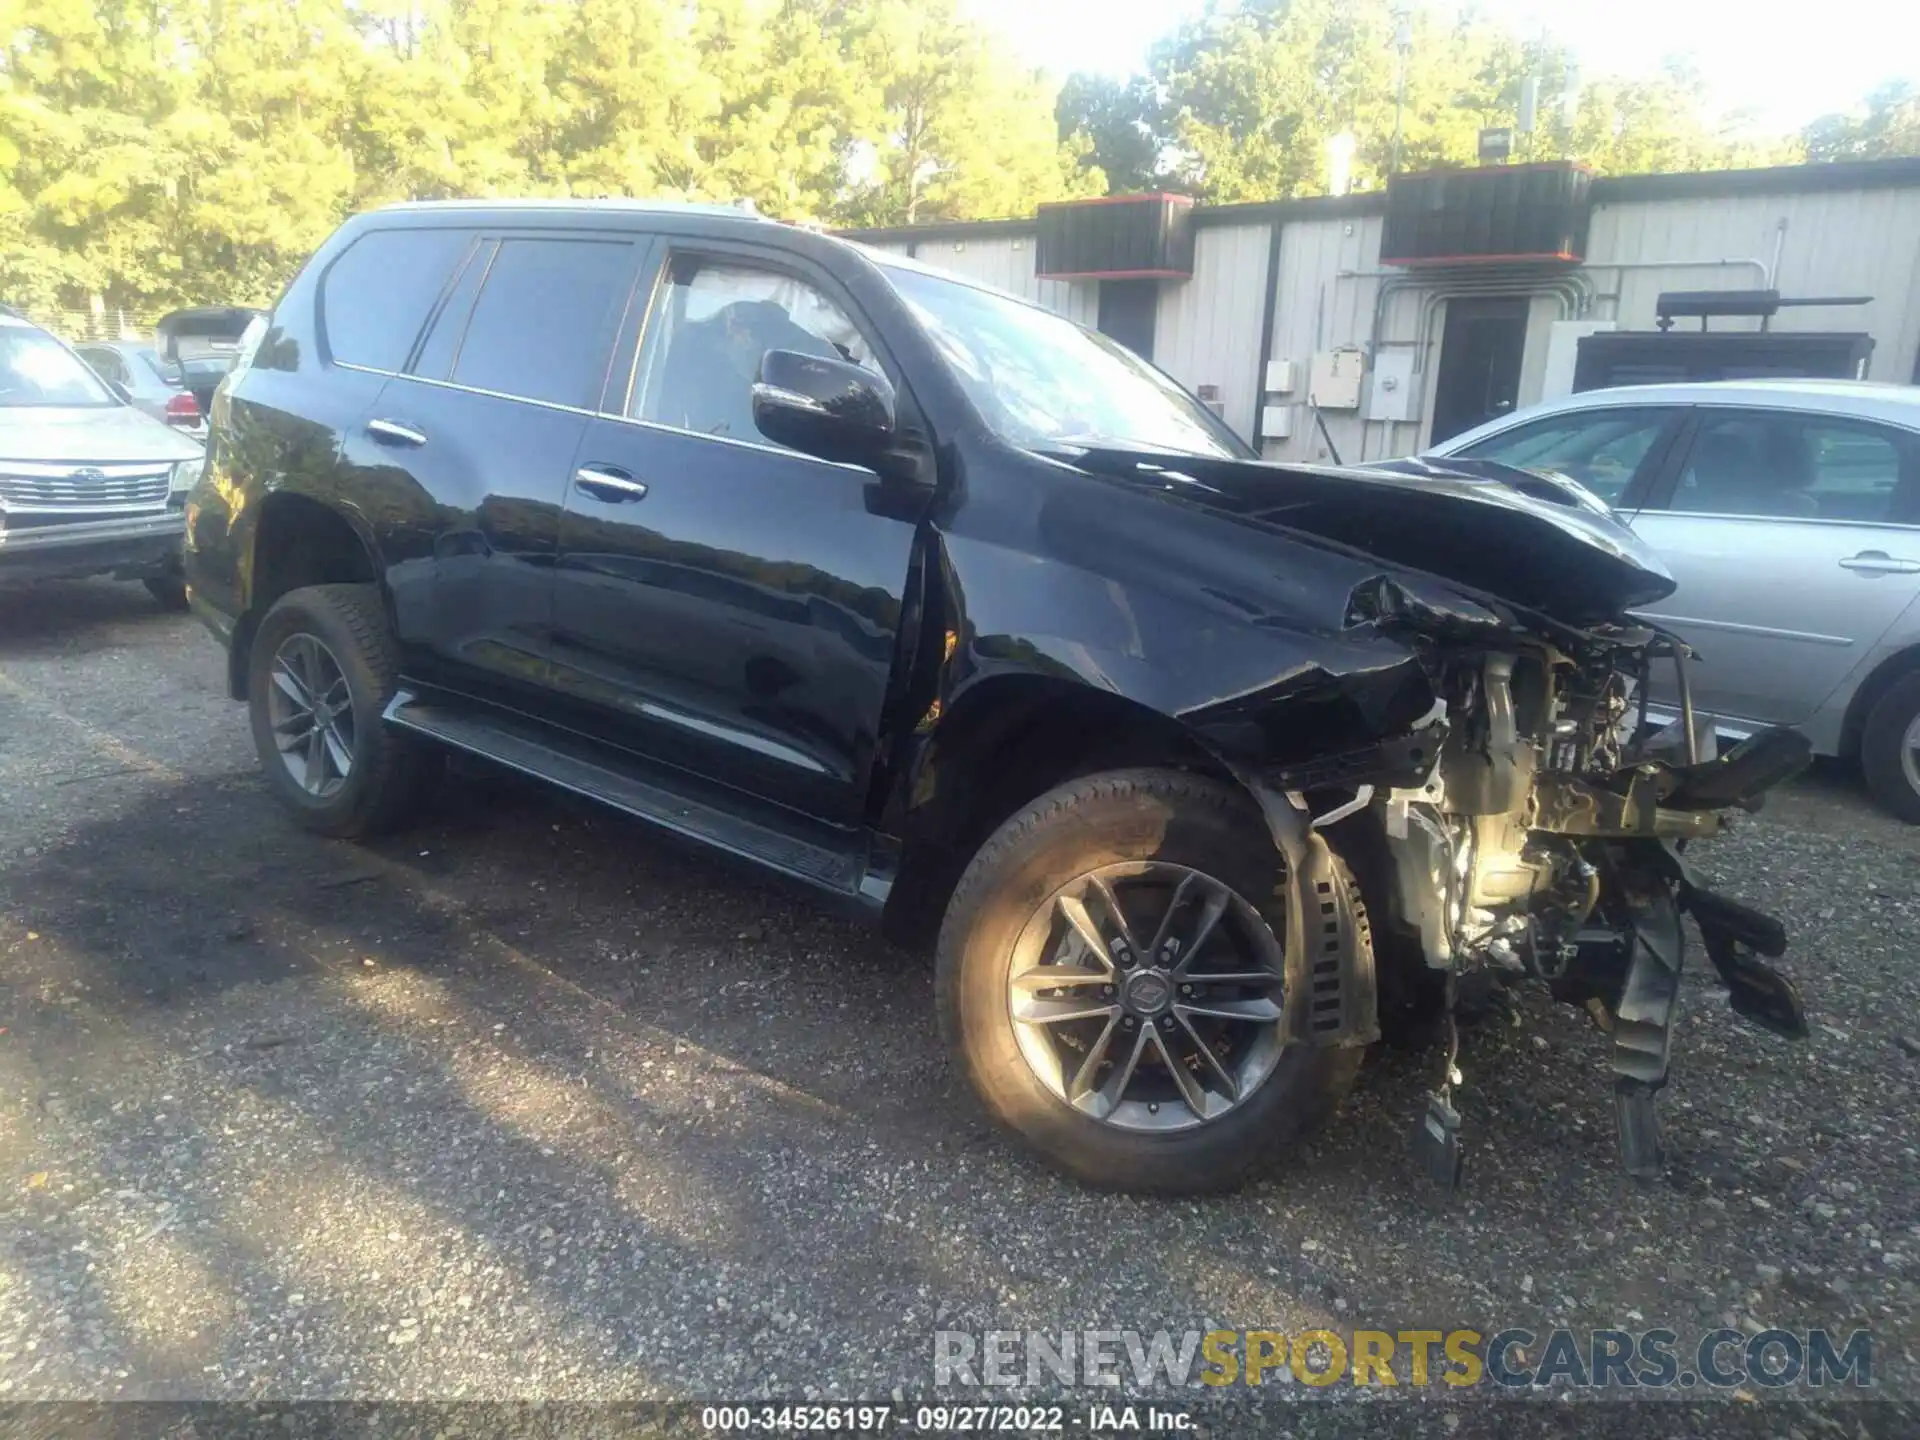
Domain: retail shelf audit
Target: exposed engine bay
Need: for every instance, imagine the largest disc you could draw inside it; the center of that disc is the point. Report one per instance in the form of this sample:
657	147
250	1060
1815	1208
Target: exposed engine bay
1535	830
1511	818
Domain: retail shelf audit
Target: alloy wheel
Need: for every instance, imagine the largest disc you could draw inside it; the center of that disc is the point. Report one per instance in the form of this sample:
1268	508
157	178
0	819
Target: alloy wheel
1910	754
311	711
1147	996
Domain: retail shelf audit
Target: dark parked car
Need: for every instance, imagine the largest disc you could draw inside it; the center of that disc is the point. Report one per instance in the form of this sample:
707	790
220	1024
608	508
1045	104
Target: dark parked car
203	343
962	615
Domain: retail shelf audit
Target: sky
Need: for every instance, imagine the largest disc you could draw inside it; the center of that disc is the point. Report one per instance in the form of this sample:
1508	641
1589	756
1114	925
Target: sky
1810	61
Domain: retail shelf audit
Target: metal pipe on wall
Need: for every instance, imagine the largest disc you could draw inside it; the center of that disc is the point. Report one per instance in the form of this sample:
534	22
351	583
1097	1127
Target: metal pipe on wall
1270	309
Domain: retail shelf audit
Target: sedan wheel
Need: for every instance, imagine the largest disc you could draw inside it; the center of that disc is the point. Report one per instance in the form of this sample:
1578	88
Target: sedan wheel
1890	749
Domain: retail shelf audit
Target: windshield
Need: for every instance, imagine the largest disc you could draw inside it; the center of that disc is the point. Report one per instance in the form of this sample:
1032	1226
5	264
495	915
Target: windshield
36	369
1042	381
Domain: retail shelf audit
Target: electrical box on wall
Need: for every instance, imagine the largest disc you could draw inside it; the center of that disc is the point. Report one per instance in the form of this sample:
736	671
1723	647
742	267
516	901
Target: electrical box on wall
1334	382
1276	422
1279	379
1390	396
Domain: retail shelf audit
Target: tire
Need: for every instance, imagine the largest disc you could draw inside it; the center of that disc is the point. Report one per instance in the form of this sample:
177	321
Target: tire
1176	820
168	591
389	771
1883	748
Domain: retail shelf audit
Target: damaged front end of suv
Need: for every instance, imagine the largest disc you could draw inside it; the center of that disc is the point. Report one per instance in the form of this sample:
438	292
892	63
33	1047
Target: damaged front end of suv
1528	825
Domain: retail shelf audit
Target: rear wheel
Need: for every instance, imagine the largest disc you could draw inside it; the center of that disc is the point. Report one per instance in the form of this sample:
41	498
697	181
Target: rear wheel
1110	976
321	672
1890	749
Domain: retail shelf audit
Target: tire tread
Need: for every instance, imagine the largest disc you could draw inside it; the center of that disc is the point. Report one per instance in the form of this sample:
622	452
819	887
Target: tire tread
1324	1076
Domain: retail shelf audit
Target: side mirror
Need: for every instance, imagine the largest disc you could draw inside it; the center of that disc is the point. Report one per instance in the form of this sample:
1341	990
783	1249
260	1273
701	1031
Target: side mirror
831	409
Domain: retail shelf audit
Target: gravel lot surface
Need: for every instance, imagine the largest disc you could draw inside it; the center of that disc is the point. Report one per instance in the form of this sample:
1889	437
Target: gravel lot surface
526	1103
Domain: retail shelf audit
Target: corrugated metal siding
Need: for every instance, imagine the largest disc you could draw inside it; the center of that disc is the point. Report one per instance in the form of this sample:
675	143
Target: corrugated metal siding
1845	242
1006	262
1207	329
1323	305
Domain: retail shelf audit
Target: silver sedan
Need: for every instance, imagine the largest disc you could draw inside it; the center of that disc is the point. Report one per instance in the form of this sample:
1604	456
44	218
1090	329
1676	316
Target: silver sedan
1789	512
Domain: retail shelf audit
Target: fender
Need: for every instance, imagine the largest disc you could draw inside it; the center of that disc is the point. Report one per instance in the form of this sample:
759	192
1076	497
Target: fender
1332	996
1221	627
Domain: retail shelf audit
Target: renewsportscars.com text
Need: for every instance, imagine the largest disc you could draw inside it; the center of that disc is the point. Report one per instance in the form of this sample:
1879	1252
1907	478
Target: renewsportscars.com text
1512	1358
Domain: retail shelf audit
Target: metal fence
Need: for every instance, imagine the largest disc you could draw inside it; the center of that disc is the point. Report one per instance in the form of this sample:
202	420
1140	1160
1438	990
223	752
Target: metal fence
75	326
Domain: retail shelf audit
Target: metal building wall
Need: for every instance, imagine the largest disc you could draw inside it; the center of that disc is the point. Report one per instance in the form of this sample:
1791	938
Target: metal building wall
1006	262
1207	329
1842	242
1325	300
1669	233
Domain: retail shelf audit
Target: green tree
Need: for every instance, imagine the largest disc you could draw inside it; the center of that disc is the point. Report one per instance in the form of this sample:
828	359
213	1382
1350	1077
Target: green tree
962	132
1890	125
1119	127
1254	91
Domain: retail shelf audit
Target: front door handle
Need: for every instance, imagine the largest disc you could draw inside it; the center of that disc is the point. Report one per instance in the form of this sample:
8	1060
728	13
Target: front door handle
604	482
1878	562
392	432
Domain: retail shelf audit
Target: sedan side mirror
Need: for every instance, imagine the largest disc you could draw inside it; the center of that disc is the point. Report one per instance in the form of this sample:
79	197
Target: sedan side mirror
831	409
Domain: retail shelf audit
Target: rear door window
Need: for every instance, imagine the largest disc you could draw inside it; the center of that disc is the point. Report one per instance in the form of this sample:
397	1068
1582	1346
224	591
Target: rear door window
545	319
376	296
1603	449
1782	465
106	363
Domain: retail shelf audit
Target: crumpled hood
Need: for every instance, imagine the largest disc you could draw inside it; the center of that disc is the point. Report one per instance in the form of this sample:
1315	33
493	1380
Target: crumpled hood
1565	561
80	434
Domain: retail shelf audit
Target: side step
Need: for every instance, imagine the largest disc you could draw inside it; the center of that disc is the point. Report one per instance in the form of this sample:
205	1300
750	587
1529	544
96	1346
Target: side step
818	855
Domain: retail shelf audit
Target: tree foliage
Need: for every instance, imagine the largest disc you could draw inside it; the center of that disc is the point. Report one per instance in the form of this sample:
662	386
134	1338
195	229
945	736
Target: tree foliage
1889	126
1241	102
162	152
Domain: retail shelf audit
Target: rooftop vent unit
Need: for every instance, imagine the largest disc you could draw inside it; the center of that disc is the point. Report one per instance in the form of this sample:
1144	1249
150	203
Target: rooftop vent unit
1117	237
1495	214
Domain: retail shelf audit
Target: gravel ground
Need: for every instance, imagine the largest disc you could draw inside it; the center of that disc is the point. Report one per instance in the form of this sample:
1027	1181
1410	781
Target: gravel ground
526	1103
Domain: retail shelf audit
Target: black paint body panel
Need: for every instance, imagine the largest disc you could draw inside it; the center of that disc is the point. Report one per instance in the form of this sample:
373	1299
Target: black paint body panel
807	633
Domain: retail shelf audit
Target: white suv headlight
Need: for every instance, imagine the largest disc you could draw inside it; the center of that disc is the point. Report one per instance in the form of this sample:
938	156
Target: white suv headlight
186	474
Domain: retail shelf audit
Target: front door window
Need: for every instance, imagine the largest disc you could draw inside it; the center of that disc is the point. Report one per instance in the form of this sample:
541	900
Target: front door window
714	321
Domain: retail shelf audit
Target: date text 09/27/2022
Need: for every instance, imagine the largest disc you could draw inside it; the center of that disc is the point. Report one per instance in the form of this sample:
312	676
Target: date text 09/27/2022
944	1419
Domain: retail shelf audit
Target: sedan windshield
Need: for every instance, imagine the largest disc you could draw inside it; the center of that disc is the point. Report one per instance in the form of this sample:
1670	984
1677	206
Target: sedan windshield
36	369
1043	382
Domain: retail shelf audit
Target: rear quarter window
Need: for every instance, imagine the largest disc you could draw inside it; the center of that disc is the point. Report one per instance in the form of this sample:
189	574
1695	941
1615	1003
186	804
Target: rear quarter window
376	296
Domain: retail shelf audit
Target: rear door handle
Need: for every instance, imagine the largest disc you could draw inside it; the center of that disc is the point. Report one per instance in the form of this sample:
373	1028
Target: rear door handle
604	482
392	432
1878	562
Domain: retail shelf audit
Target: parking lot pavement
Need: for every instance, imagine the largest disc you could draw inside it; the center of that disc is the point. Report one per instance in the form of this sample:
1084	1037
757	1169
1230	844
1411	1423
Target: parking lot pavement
527	1103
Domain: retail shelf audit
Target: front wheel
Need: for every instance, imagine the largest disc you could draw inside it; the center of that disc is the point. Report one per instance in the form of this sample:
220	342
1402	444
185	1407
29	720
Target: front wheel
322	669
1110	977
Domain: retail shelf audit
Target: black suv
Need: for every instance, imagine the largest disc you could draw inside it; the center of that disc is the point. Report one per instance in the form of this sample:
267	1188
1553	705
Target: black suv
964	616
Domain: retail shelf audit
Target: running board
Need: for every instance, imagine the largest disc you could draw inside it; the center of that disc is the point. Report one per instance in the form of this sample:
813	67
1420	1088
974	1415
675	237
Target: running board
815	854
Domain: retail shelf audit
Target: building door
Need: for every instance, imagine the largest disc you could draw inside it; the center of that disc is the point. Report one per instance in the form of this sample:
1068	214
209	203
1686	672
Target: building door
1480	354
1127	310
